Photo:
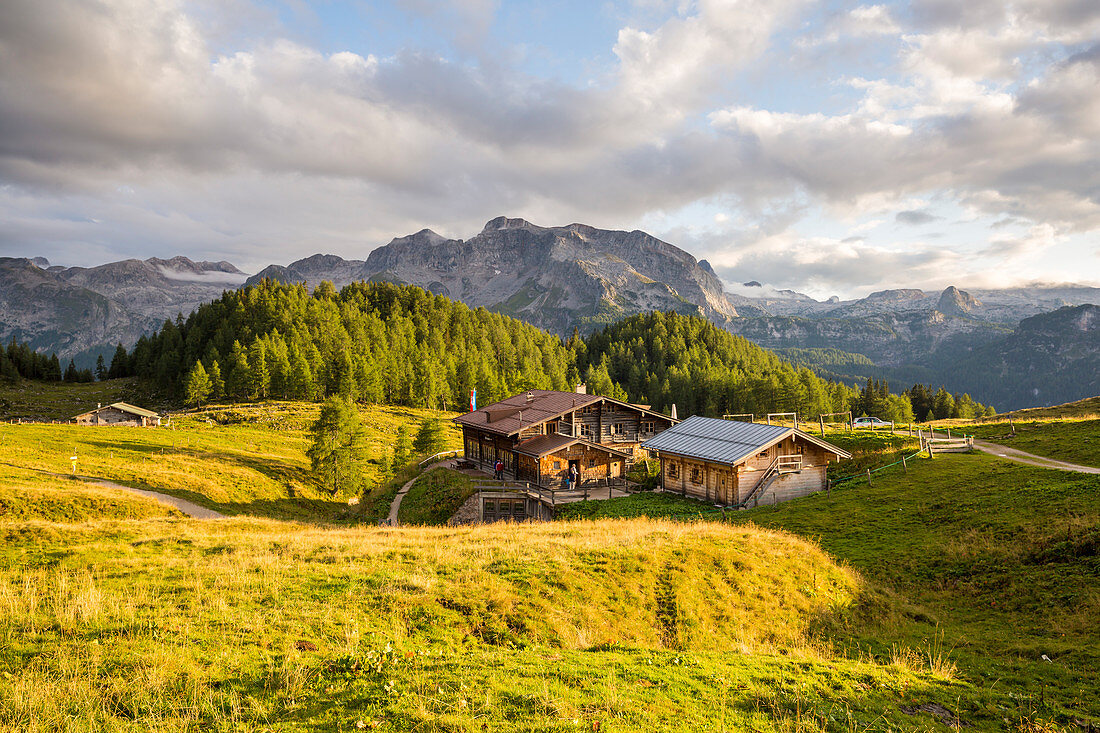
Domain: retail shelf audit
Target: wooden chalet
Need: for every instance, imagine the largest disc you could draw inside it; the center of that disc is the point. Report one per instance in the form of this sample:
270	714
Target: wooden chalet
741	464
118	413
540	434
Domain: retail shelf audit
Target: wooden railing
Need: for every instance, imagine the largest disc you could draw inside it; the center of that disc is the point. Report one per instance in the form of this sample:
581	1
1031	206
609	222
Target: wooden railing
770	475
789	463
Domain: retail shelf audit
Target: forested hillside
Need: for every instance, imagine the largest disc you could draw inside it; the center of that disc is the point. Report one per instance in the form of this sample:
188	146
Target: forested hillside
391	344
374	342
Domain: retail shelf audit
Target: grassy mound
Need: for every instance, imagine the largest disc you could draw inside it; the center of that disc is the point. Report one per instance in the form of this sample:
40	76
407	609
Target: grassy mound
257	624
435	497
242	459
26	495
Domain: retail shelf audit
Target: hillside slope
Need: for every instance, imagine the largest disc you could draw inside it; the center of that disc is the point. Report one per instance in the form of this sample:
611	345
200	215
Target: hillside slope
626	626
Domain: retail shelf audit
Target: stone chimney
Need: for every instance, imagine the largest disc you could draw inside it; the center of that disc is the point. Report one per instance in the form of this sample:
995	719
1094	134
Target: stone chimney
582	388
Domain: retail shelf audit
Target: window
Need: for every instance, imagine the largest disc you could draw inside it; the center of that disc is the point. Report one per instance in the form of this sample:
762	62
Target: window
618	428
647	426
762	454
591	462
551	428
557	465
674	470
585	431
696	475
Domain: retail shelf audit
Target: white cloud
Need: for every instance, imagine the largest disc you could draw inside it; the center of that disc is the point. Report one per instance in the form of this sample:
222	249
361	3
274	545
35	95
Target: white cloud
131	113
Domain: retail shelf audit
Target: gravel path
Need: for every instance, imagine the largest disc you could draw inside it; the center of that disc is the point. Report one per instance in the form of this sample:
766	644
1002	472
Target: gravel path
189	508
396	505
1030	459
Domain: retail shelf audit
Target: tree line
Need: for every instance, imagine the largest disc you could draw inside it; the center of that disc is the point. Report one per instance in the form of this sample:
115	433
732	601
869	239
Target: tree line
384	343
19	360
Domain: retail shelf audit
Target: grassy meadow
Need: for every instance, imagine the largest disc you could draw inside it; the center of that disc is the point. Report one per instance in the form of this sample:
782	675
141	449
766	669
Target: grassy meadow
923	601
247	624
30	400
238	460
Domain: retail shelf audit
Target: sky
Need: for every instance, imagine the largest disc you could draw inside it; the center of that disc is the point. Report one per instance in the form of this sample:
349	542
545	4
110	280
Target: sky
830	148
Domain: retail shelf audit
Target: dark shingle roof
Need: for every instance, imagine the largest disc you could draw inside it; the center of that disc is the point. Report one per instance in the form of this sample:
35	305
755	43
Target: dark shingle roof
546	444
725	441
510	415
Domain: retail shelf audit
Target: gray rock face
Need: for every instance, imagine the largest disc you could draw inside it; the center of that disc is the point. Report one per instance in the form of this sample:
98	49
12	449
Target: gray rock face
955	302
77	310
556	277
553	277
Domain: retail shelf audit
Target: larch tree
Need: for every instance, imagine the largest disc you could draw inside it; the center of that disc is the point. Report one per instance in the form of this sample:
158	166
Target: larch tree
196	386
336	451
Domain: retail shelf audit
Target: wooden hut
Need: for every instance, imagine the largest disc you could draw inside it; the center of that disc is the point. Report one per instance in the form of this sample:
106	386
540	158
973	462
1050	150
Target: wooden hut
741	464
539	434
118	413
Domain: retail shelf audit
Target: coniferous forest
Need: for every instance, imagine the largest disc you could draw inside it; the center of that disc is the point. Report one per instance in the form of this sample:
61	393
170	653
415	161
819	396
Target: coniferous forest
393	344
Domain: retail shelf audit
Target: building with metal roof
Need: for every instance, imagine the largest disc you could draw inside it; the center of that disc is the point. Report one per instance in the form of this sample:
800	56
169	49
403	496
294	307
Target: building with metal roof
741	464
118	413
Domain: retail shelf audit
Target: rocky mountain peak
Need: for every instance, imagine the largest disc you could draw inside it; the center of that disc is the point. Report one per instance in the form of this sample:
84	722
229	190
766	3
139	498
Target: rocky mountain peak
503	222
897	294
40	262
955	302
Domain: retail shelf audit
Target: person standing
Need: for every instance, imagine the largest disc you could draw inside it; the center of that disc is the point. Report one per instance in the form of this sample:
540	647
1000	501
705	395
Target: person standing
573	475
499	474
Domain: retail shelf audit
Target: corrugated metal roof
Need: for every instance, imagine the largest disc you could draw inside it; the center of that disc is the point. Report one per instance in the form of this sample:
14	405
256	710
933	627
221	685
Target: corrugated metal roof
719	441
134	409
726	441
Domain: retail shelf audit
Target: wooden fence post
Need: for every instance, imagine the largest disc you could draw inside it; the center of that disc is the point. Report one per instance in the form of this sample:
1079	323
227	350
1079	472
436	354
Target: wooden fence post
822	419
869	482
904	465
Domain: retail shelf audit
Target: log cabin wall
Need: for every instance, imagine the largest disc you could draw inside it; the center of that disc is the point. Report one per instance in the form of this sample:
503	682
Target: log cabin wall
594	464
722	484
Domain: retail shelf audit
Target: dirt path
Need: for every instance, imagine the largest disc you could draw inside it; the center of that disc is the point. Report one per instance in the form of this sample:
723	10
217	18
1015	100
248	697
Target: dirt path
1019	456
189	508
396	505
1030	459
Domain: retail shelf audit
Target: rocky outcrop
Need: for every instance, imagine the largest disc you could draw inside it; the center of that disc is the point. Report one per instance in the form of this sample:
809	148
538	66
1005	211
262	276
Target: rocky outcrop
955	302
81	311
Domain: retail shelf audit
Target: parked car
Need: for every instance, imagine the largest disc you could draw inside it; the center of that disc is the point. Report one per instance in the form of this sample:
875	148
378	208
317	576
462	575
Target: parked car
869	422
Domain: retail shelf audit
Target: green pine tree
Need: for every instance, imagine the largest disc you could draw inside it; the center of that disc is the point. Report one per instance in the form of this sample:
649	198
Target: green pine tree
196	385
402	448
430	438
336	452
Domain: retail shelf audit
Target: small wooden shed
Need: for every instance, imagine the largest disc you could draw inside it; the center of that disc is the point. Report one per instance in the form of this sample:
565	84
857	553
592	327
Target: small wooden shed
118	413
741	464
545	459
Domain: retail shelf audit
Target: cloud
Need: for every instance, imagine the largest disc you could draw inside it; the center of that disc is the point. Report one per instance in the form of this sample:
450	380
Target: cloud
130	128
915	217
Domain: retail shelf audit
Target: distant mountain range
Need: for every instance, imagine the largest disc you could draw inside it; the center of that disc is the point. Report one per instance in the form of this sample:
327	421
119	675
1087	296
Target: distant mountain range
84	311
558	278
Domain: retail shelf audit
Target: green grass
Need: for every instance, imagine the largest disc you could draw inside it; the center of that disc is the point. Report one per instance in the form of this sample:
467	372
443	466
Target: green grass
238	460
27	495
1000	558
616	626
435	497
1076	441
30	400
643	504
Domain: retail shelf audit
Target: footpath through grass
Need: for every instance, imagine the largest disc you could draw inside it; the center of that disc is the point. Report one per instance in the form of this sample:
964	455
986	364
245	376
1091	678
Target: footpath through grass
1075	441
26	495
435	497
